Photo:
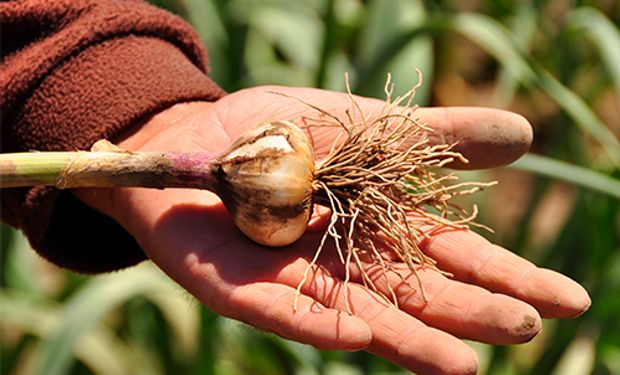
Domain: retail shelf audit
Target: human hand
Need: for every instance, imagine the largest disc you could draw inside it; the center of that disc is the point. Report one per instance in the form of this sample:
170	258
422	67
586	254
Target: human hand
494	296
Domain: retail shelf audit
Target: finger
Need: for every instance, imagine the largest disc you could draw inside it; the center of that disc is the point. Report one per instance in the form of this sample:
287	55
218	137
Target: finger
486	137
397	336
463	310
473	259
270	307
421	349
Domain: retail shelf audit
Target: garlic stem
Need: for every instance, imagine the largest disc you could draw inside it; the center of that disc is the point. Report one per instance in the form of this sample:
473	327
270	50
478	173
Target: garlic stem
66	170
264	178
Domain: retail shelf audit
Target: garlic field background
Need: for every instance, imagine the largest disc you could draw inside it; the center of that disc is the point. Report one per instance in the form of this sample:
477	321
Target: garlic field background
557	62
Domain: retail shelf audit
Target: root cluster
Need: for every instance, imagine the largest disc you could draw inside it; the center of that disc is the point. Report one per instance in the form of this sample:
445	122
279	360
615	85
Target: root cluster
382	184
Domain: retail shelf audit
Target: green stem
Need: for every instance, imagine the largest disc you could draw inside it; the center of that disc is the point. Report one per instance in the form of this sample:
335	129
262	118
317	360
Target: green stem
107	169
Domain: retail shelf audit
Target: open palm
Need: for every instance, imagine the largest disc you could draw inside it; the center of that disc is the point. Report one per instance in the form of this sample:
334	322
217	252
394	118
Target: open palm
494	296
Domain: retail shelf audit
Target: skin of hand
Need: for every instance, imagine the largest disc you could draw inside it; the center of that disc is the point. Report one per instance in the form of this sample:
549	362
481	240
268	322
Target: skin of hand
493	296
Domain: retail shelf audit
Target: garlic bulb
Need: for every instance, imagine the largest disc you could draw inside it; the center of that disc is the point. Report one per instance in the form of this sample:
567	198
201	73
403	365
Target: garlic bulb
265	180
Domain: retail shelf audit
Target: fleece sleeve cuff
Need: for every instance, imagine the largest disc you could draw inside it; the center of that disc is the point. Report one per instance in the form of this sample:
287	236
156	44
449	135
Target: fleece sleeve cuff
104	89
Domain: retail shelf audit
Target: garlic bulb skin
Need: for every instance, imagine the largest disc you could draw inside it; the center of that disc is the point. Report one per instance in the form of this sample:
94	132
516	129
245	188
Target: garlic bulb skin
265	181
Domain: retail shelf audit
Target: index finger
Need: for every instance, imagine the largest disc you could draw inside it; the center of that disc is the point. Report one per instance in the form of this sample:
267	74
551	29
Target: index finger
487	137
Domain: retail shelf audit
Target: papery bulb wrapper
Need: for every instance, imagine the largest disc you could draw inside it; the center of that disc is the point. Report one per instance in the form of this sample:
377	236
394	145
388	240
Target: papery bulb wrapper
265	181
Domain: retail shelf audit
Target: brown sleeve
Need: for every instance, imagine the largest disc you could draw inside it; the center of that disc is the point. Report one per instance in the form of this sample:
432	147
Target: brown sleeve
73	72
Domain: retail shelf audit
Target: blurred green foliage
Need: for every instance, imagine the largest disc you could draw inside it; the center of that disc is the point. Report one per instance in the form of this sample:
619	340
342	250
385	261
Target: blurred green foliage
556	62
